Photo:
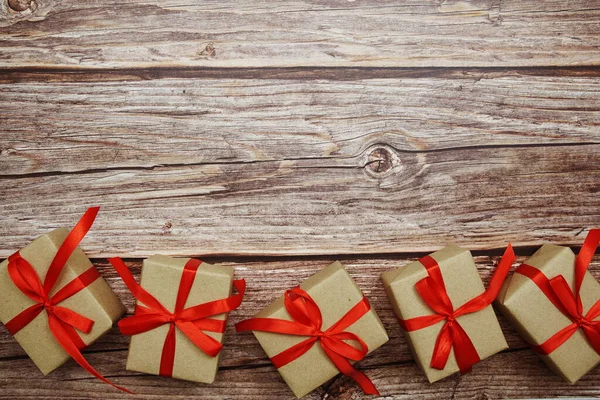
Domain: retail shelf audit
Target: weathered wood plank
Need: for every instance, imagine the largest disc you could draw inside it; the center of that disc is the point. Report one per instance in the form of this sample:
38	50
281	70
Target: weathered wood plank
478	197
65	127
247	167
382	33
246	372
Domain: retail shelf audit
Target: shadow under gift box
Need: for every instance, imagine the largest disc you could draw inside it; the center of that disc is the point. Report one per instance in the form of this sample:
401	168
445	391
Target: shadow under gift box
536	318
96	302
335	292
160	277
463	283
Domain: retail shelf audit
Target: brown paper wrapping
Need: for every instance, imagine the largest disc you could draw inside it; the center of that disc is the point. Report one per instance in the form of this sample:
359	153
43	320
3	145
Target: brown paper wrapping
97	302
335	293
536	319
462	283
161	276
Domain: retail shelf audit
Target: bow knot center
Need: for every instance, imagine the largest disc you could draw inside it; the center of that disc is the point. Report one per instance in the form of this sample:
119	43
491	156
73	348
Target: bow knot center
320	334
583	321
172	318
450	318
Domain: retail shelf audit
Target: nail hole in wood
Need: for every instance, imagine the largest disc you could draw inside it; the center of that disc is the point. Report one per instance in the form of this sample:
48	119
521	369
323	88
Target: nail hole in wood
19	5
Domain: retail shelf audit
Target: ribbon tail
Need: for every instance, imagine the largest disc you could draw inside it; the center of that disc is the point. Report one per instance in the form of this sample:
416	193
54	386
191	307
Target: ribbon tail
167	359
500	274
486	298
344	366
207	344
586	253
136	290
441	350
64	339
337	343
464	351
73	319
69	245
73	336
141	322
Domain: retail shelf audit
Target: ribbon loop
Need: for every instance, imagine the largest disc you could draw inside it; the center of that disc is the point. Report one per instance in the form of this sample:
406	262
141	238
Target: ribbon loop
302	308
567	300
25	278
307	321
336	343
433	292
62	321
190	321
429	290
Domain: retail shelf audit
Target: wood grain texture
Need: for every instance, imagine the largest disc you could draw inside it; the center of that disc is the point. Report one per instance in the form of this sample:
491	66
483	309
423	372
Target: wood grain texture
247	373
190	166
76	127
382	33
296	132
477	197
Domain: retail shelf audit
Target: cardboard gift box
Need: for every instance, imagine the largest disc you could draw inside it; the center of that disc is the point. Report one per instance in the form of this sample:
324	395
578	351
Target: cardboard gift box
538	318
335	294
96	301
462	284
161	277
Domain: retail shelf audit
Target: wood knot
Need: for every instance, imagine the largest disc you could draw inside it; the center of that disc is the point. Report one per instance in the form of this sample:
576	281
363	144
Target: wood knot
380	160
208	51
166	229
19	5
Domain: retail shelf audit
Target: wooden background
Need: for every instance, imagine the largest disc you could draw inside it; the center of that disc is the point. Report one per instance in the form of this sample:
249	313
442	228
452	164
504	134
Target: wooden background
278	136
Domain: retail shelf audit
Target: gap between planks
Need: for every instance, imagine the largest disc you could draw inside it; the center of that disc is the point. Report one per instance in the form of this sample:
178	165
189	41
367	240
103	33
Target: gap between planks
90	74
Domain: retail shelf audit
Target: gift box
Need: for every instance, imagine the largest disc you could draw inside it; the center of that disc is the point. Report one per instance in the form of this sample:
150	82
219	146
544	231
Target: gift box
540	300
317	330
177	328
445	311
54	275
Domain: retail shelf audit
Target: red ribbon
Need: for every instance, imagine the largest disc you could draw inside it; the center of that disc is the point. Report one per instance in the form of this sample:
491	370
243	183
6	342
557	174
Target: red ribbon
307	321
191	321
452	334
567	301
61	321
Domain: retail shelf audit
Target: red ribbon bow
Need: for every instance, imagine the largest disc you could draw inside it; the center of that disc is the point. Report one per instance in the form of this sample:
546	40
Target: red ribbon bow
62	321
452	334
307	321
568	302
191	321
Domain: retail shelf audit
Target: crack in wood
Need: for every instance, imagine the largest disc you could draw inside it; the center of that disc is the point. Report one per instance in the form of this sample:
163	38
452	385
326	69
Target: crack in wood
367	164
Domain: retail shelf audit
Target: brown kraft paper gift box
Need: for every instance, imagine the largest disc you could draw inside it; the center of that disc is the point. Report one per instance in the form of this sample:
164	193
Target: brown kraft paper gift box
335	292
462	283
160	277
97	301
536	318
